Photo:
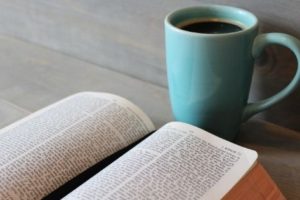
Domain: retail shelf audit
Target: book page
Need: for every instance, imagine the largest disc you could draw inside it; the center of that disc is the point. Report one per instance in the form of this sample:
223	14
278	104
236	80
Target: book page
46	149
177	162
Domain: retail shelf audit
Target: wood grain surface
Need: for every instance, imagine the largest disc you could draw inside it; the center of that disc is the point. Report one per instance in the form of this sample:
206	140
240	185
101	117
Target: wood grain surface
52	49
33	77
127	36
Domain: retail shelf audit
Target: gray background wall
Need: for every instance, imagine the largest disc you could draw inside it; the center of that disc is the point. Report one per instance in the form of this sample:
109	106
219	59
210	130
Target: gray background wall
105	33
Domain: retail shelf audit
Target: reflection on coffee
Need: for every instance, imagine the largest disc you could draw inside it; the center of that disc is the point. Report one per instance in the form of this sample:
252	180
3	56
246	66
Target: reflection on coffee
210	27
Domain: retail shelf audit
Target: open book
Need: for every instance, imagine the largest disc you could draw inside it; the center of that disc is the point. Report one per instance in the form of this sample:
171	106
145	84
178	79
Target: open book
44	151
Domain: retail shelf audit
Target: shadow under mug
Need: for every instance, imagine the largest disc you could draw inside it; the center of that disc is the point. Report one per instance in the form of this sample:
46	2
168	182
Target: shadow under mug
209	75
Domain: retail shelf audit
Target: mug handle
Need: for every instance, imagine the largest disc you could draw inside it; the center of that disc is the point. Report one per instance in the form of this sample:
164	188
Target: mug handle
259	44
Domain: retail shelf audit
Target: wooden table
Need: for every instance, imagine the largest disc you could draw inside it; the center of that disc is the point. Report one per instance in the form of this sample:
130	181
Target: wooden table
52	49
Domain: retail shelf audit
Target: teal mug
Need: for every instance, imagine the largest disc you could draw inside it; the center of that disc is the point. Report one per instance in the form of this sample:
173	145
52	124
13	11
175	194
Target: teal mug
210	53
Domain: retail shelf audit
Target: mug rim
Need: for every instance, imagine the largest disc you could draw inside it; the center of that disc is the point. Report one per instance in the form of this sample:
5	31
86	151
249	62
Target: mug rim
219	8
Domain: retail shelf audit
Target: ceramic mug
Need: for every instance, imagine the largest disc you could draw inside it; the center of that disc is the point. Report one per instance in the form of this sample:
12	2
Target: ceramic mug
209	74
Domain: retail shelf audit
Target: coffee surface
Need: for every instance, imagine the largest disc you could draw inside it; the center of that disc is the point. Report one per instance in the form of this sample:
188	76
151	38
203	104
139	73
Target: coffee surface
211	27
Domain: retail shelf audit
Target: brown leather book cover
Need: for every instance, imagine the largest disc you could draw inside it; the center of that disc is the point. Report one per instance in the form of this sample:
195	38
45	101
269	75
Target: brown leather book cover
255	185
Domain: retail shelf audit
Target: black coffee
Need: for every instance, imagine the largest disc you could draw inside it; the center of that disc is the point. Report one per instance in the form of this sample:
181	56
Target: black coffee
211	27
